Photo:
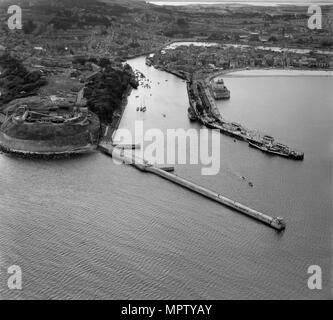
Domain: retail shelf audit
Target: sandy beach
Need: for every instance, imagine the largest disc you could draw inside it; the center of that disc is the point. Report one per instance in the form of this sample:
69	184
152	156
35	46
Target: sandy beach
278	73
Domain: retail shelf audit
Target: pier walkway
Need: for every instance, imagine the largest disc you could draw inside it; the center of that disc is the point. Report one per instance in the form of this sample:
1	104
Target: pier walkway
144	166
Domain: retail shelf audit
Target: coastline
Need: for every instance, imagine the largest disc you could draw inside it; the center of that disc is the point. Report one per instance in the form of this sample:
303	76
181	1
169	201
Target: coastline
40	149
58	140
255	72
261	46
200	95
91	186
108	131
300	71
272	72
112	128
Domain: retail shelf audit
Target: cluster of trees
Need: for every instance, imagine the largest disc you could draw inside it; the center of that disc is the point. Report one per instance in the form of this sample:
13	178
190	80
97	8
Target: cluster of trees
105	92
29	27
92	13
100	61
326	42
16	81
66	19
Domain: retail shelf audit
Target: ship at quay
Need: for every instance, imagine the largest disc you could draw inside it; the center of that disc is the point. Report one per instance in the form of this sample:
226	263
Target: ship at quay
203	89
203	108
219	90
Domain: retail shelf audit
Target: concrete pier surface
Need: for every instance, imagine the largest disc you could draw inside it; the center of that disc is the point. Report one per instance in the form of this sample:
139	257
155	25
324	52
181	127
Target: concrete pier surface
274	222
127	146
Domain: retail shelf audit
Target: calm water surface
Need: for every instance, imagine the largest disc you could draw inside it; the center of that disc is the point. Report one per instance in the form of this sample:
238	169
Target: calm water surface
88	228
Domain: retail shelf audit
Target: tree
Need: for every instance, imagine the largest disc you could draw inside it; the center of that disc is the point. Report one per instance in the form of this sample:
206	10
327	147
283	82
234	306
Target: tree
272	39
326	42
181	22
29	27
104	62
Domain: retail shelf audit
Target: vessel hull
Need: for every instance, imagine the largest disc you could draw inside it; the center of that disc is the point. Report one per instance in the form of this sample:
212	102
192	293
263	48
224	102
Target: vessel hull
285	155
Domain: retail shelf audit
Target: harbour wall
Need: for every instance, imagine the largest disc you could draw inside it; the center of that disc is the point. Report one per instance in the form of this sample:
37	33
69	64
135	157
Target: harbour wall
276	223
272	222
15	145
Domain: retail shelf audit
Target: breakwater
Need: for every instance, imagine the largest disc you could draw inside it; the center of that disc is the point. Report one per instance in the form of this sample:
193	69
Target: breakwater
202	104
141	164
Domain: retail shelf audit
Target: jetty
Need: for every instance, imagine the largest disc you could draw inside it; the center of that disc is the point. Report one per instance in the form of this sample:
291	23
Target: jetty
165	172
204	109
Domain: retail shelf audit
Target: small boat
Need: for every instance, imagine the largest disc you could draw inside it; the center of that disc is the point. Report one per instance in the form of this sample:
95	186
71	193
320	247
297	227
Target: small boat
251	184
137	109
164	115
144	109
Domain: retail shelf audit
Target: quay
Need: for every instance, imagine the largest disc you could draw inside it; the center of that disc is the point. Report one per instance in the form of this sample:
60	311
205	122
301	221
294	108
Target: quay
142	165
126	146
204	109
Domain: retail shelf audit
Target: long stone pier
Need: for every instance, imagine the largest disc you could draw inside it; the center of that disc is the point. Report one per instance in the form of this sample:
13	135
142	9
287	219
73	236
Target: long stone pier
276	223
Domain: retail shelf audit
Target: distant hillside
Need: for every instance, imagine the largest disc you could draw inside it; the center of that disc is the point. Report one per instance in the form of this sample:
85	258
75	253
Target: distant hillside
127	28
244	1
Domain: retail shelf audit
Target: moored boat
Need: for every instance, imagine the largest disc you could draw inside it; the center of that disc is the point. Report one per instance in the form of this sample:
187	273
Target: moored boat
275	149
219	90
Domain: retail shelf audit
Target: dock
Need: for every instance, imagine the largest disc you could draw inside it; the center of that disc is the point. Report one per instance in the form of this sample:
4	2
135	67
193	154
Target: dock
276	223
134	146
203	105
